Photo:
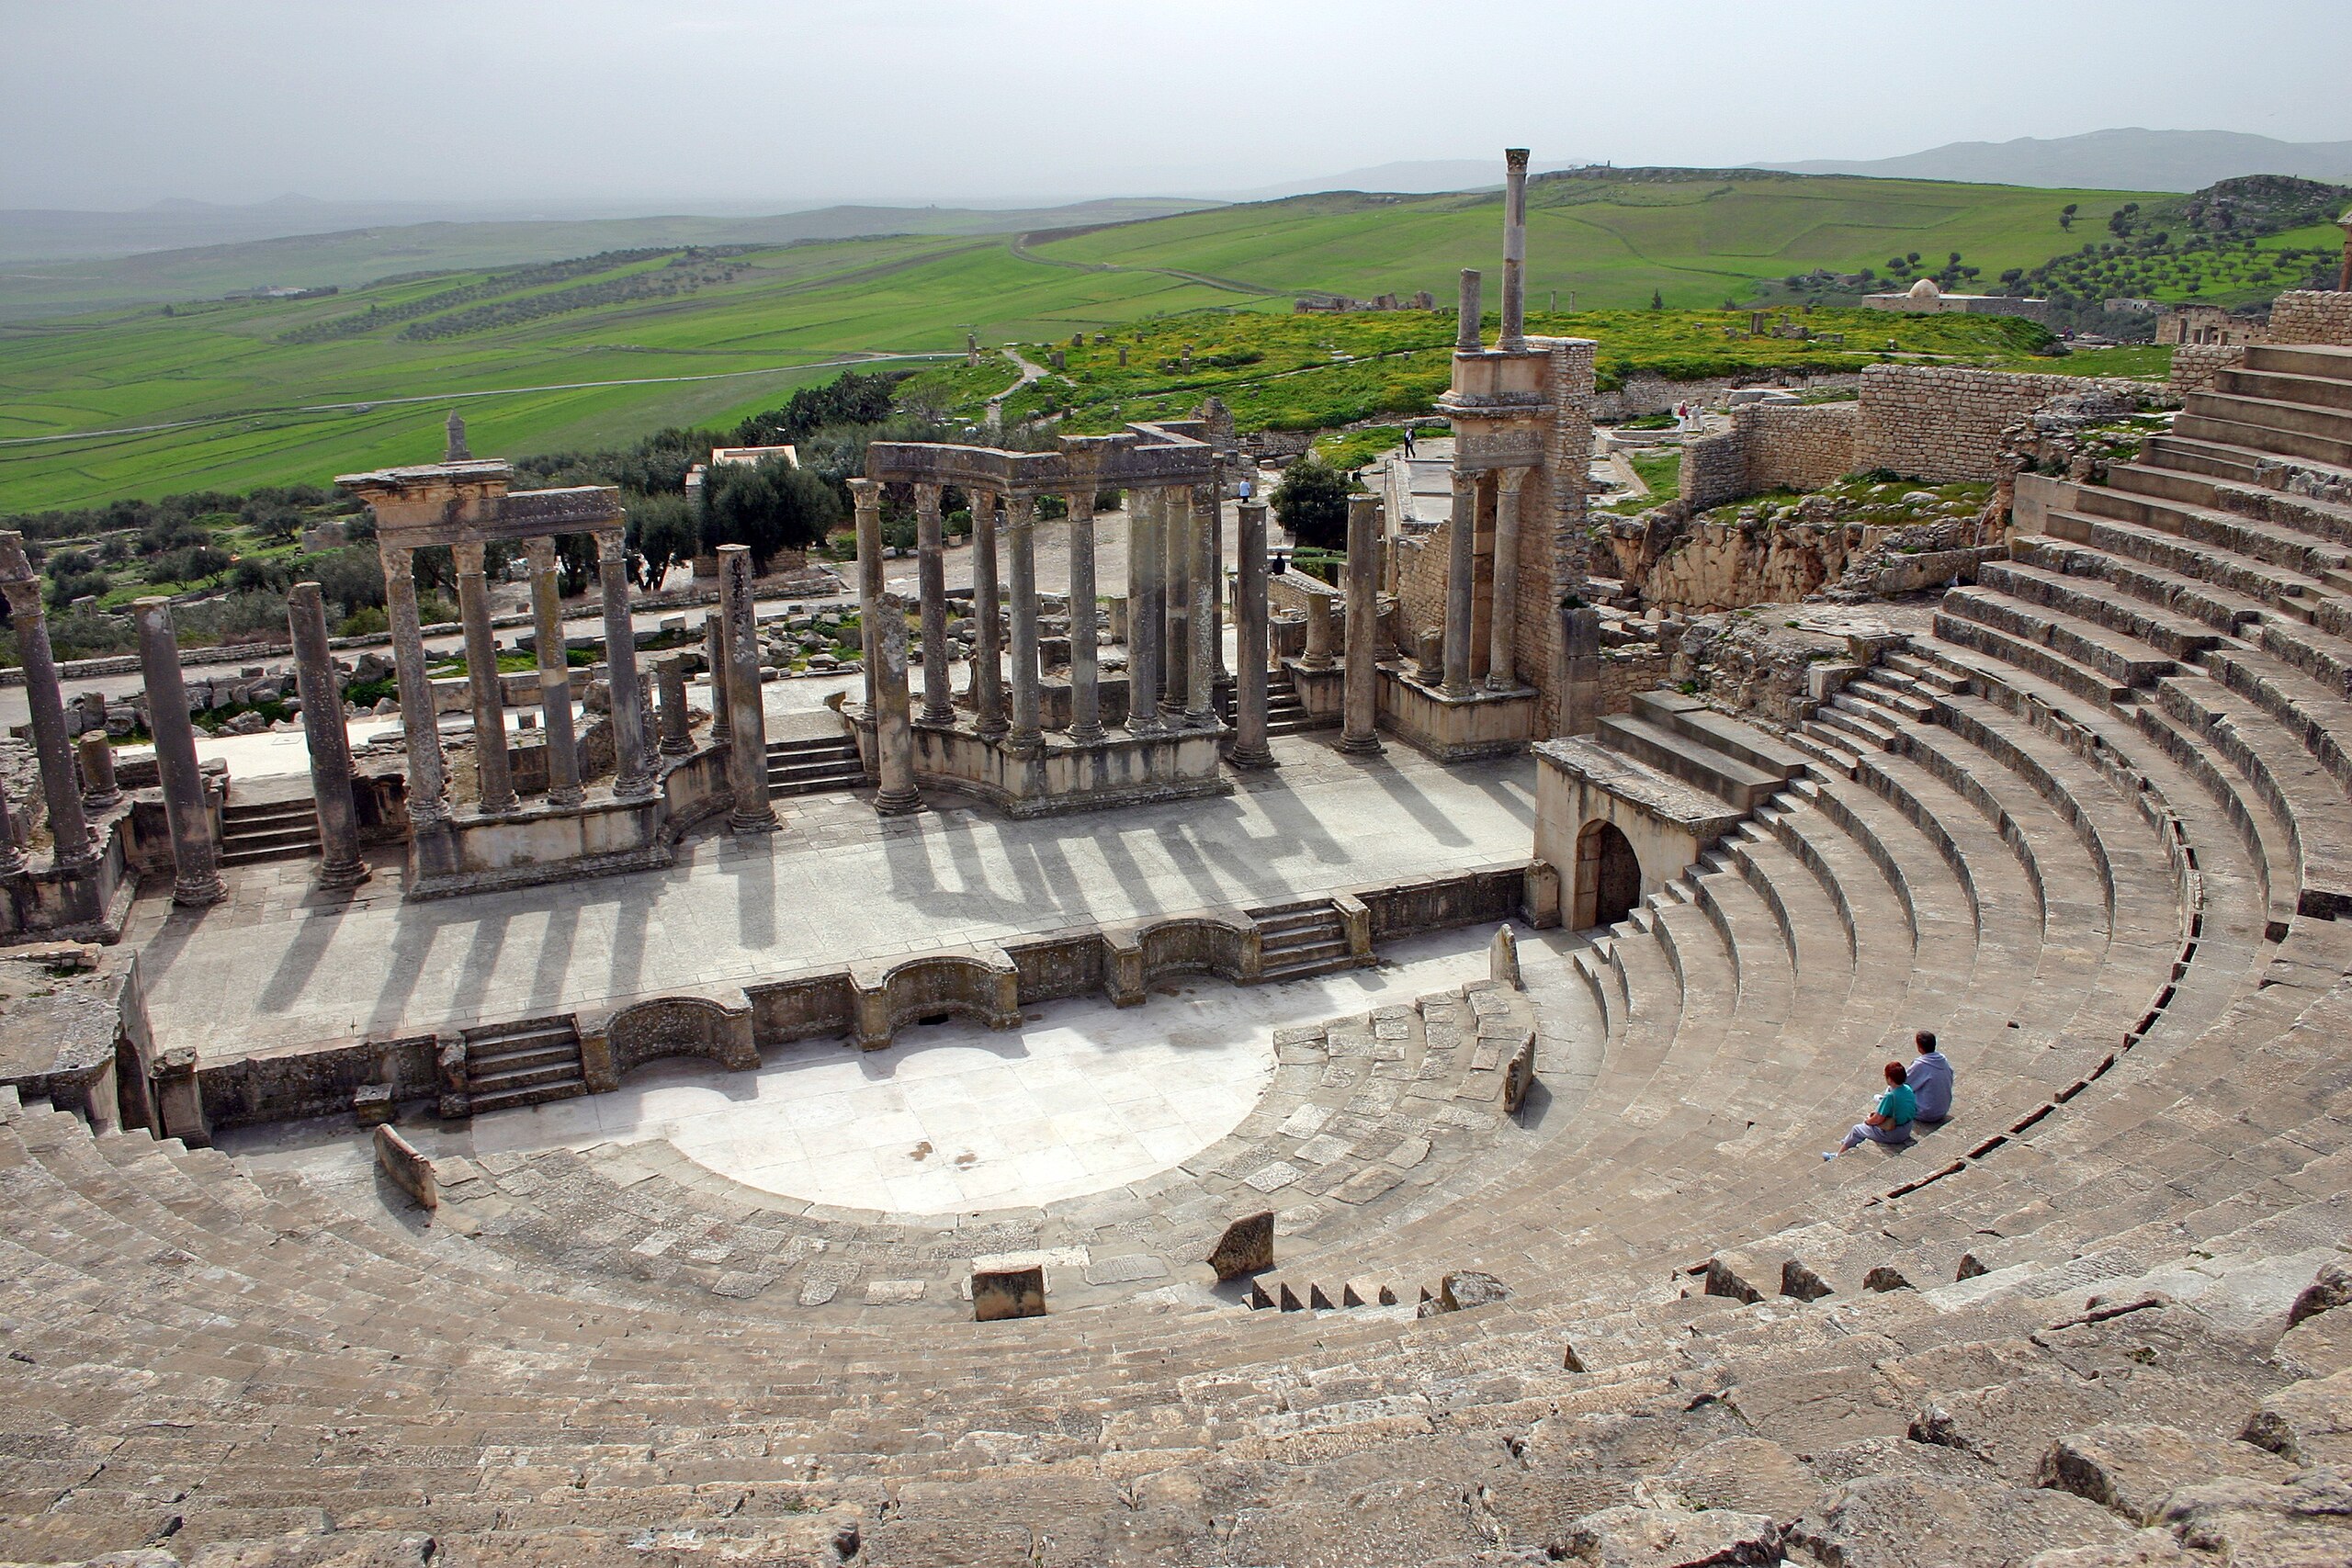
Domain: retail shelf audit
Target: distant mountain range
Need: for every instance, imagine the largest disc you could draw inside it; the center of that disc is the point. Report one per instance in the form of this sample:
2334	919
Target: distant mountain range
2130	159
1414	177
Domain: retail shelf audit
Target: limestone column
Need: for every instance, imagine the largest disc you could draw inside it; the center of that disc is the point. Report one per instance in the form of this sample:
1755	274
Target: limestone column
1502	619
1461	584
894	736
1360	696
1250	748
75	852
1200	681
988	656
1145	619
95	753
1319	632
632	769
497	791
677	723
1176	602
714	654
1217	574
746	745
1466	325
1085	693
1020	521
330	743
198	879
865	499
555	676
428	773
931	550
12	853
1514	334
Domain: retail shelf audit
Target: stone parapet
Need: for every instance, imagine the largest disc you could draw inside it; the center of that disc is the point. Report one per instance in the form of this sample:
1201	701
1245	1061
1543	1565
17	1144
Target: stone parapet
1943	425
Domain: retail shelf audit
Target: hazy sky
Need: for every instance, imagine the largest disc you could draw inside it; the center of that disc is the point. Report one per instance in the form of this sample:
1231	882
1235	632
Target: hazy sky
105	104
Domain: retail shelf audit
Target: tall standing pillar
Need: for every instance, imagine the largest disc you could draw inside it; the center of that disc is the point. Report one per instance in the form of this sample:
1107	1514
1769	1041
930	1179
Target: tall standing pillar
1146	627
988	656
714	654
1467	325
1461	584
1319	632
1085	693
931	551
428	772
1250	748
1359	693
1176	602
1021	522
1200	681
1514	334
677	723
1217	574
555	676
1502	619
497	791
747	731
632	767
893	734
329	742
76	853
195	864
866	501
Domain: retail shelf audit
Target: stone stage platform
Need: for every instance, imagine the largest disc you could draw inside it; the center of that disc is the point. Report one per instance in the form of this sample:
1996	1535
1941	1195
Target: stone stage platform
280	964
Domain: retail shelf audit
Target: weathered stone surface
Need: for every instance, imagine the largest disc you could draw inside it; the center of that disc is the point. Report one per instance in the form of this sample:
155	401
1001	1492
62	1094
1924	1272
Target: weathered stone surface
1750	1475
2304	1523
1010	1292
2318	1347
2332	1288
1633	1536
410	1170
1468	1288
1246	1247
1907	1521
2132	1468
1802	1282
2308	1422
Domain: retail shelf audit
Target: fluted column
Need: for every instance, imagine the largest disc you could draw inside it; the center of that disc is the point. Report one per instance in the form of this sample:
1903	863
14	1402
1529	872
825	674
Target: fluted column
1085	693
865	502
988	656
1176	603
197	879
428	772
1250	748
496	791
1200	680
69	827
632	768
1502	621
1147	626
746	745
555	676
931	550
1461	584
714	656
1359	693
894	736
677	723
329	742
1021	523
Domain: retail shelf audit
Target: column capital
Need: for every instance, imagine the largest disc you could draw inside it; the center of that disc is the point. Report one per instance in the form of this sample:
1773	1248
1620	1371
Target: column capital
1020	509
927	498
540	552
612	544
1507	481
866	494
468	558
23	596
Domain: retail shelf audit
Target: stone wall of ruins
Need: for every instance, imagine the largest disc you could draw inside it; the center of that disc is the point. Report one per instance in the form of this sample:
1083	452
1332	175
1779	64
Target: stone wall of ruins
2194	365
2310	315
1944	425
1771	447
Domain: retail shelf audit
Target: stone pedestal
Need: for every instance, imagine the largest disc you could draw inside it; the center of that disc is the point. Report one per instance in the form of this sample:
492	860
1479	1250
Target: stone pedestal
95	753
197	879
677	723
340	865
747	757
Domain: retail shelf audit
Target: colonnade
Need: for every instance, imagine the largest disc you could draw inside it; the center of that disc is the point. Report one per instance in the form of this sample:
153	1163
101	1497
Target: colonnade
1471	488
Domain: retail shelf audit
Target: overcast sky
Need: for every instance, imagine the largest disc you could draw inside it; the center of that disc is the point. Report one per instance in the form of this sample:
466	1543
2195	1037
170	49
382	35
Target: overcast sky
108	105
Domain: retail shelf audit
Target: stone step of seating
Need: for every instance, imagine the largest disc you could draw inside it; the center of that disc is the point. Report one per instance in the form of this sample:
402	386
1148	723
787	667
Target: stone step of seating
523	1063
2287	776
2206	522
2079	678
1836	754
2176	637
2287	387
2238	429
2280	590
2284	416
2301	359
813	765
1931	676
257	833
2193	466
1855	726
1894	693
2120	656
1693	761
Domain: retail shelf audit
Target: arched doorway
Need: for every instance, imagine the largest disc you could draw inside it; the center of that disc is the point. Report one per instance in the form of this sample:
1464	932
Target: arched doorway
1609	877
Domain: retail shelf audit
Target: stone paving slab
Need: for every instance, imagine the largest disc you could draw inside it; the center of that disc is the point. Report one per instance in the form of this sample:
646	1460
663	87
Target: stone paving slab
280	964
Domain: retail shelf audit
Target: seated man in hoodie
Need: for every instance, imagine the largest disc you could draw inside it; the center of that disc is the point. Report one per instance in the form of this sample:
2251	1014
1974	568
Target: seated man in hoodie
1930	1078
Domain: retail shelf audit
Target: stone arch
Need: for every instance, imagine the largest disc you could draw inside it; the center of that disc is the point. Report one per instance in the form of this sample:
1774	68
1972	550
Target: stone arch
1609	874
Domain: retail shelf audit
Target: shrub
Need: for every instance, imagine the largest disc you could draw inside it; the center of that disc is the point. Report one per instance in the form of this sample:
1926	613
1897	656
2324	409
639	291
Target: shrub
1312	504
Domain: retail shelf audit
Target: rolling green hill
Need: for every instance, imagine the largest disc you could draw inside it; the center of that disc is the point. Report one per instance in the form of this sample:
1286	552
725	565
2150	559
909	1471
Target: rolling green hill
228	395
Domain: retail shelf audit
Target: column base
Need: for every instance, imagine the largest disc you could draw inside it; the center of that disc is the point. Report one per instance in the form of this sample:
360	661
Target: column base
677	748
502	807
763	820
1258	756
1361	745
196	894
566	799
1030	745
1090	735
901	803
332	876
943	714
644	787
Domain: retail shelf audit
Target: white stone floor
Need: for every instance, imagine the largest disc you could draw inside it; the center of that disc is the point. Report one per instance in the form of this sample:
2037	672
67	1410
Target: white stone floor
952	1118
281	964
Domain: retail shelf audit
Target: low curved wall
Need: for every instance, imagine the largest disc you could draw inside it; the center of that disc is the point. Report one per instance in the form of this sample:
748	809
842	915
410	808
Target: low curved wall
985	988
679	1026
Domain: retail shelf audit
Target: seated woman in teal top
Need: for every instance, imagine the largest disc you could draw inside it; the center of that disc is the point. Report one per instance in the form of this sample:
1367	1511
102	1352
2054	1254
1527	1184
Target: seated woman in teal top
1891	1121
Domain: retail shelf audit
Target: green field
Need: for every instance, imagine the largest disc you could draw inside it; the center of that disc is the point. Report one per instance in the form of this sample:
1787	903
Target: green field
248	407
